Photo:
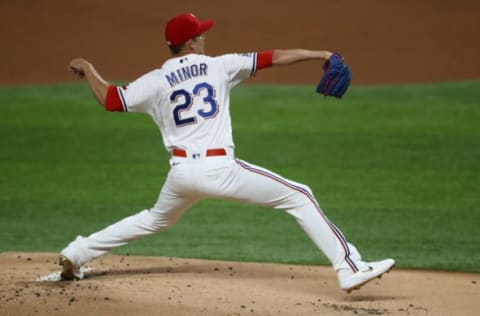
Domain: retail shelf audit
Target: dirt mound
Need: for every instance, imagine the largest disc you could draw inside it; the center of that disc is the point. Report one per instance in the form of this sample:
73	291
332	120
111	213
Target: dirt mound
128	285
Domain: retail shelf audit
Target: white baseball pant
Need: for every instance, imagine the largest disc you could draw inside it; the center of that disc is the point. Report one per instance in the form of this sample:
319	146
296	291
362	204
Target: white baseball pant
197	177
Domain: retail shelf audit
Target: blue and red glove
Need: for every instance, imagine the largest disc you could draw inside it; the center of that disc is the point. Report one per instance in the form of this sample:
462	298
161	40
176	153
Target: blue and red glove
336	77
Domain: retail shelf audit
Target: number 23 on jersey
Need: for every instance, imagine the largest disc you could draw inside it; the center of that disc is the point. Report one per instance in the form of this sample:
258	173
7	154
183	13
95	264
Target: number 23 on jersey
183	101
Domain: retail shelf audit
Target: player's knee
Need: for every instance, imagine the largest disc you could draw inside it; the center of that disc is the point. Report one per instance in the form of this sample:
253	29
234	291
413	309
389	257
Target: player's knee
304	195
307	189
162	219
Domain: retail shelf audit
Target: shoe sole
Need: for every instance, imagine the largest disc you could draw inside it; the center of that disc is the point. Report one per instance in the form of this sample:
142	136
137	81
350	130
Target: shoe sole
67	269
357	287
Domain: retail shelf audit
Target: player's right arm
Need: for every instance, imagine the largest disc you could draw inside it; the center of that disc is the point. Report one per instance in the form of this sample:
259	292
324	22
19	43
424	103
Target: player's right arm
242	66
291	56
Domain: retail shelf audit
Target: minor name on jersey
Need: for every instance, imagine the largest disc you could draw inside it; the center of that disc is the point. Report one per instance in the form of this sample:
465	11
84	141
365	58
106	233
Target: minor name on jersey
186	73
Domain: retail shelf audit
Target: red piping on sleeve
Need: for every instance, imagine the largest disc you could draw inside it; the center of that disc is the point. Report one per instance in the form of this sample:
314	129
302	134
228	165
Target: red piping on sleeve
113	103
264	59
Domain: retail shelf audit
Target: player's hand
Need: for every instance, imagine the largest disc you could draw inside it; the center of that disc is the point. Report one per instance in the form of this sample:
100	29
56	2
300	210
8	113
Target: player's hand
336	77
328	55
78	66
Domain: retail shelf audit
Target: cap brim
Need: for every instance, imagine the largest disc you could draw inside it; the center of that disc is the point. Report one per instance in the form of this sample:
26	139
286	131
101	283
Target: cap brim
206	25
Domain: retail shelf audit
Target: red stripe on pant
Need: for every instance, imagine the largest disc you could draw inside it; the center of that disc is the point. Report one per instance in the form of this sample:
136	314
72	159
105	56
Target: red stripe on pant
334	229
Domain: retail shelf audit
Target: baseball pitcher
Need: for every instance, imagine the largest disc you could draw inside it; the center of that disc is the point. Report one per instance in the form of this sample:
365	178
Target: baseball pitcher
189	99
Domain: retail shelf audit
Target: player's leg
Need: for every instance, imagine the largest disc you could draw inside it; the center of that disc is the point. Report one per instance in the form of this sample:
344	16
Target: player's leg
171	205
253	184
260	186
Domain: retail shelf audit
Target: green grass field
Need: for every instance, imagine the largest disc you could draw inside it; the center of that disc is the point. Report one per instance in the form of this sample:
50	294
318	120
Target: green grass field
397	168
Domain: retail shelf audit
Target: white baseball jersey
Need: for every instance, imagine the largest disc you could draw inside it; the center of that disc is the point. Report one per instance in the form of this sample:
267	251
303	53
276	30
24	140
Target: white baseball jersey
189	98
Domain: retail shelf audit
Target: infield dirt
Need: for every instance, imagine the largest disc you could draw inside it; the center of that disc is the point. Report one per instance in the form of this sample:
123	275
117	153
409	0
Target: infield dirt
385	42
119	285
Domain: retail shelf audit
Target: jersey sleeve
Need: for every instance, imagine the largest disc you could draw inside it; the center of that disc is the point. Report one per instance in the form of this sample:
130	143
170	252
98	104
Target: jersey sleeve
138	96
243	66
113	101
264	59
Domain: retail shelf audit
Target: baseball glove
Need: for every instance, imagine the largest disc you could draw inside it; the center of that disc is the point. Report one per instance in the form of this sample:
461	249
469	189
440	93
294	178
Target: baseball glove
336	77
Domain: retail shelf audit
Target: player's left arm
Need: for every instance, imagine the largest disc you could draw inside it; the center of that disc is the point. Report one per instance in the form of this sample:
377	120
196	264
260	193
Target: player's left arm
98	85
107	94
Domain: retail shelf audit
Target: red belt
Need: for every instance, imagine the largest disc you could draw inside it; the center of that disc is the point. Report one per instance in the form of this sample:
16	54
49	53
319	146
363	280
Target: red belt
210	152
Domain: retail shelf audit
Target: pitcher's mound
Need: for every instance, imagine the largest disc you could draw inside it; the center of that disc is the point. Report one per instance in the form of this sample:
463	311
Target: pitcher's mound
126	285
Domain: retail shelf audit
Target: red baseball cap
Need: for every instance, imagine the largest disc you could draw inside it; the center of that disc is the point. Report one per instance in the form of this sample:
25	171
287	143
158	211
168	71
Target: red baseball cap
184	27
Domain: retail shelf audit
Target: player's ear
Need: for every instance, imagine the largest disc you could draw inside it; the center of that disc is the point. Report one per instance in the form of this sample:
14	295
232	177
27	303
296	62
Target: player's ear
190	45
